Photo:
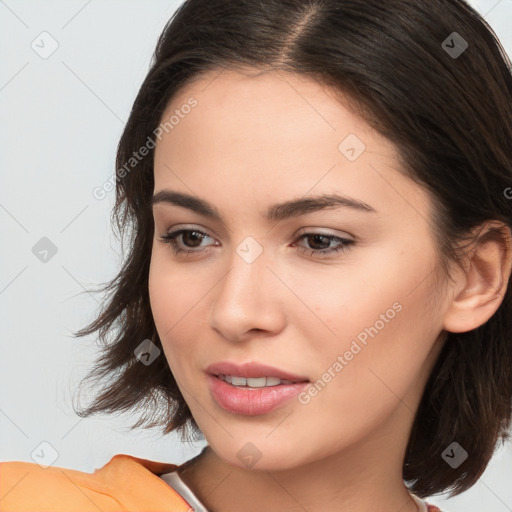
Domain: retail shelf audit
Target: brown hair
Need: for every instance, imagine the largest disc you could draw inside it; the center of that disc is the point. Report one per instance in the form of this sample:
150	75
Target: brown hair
446	108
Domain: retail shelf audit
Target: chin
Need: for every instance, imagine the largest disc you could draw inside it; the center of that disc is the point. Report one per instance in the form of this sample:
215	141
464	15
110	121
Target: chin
264	455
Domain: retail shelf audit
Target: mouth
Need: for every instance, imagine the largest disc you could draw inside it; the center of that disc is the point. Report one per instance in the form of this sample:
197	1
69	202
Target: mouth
255	382
253	374
252	389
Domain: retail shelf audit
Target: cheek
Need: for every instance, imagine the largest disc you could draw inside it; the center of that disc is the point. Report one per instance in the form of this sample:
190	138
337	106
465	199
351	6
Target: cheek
168	299
178	303
378	320
171	290
162	299
368	373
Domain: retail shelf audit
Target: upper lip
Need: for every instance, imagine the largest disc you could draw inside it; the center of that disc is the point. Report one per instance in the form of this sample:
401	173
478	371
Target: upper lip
251	369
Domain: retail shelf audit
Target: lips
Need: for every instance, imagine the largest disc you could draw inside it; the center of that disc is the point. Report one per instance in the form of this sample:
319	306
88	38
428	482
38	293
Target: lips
252	370
252	400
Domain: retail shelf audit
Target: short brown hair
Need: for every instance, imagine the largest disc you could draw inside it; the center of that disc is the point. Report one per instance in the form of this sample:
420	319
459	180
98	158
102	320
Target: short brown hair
449	114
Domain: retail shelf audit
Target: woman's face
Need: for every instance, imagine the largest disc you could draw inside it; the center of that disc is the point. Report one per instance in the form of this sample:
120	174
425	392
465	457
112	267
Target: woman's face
335	295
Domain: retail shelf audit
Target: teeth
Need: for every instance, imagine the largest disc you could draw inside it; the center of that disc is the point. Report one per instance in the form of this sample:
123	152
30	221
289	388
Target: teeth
260	382
253	382
238	381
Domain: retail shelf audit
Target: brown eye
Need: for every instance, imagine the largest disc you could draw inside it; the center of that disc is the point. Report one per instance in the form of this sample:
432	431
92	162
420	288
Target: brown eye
190	239
319	243
195	237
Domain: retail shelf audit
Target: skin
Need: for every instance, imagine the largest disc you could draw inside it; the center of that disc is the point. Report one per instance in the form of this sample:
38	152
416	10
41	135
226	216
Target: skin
253	141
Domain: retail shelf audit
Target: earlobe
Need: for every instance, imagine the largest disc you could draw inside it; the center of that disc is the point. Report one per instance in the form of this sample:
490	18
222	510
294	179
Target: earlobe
481	287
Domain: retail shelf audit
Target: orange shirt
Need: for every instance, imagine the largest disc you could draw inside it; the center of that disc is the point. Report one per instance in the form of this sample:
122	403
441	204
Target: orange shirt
125	483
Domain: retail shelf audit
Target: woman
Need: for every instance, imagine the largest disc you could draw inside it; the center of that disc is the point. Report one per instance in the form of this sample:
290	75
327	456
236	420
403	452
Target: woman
319	200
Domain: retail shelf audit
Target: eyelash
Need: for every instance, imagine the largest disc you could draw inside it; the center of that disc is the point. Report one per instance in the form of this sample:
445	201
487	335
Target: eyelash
170	238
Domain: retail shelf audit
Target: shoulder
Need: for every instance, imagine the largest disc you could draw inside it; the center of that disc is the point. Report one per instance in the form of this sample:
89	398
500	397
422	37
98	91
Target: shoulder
125	483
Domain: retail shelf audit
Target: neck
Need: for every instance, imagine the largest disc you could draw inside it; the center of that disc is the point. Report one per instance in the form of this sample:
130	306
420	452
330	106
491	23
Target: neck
365	476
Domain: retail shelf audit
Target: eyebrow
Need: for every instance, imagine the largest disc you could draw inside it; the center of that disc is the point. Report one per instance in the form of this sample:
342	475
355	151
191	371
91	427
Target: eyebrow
280	211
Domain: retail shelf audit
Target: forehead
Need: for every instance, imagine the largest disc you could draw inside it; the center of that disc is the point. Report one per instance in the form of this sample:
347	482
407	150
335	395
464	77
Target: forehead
272	134
263	119
271	100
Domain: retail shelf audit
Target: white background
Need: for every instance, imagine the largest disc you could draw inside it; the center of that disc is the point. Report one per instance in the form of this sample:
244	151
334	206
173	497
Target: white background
61	121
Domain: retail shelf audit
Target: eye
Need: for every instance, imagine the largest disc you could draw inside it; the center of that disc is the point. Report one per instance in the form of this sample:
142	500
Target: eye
191	241
192	236
321	239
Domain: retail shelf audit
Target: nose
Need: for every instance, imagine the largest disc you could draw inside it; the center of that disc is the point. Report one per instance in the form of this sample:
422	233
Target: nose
247	300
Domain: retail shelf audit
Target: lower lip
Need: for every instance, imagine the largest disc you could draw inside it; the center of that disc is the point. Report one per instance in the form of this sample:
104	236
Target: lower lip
252	401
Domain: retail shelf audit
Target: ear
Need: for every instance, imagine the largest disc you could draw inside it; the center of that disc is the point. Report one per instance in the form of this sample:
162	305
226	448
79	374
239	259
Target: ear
480	288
